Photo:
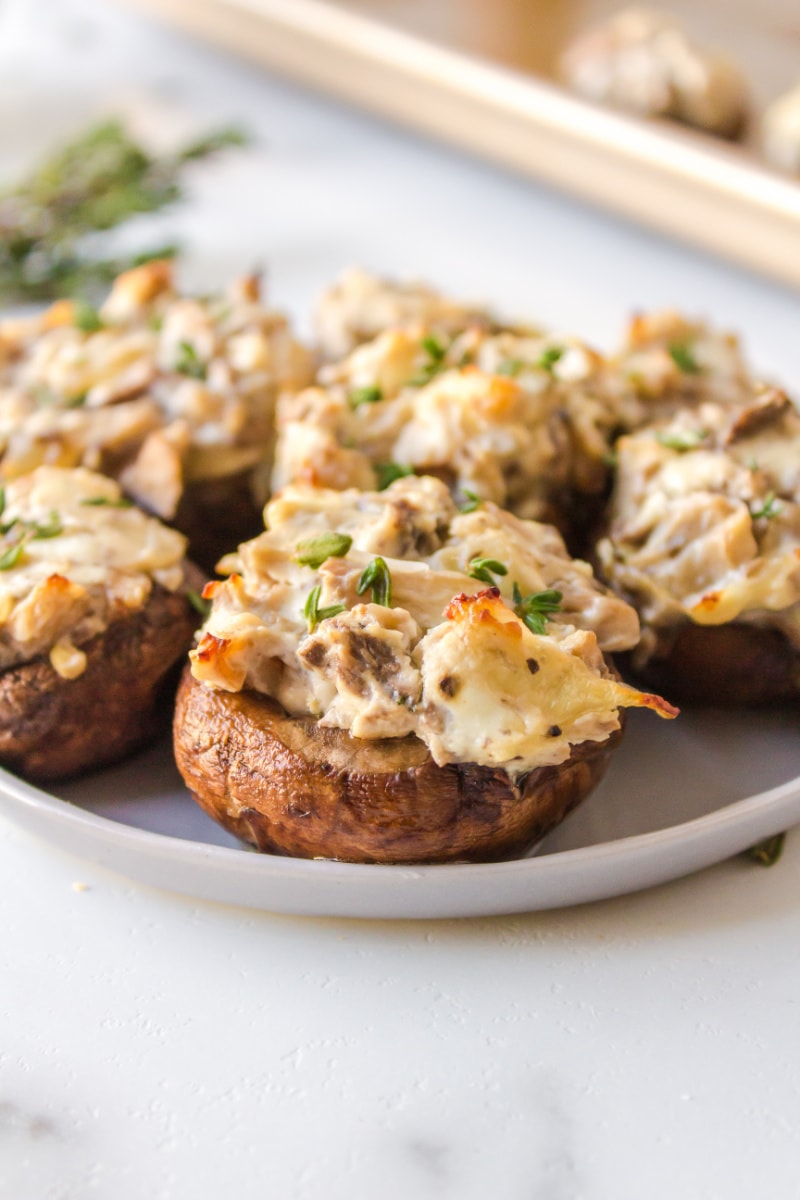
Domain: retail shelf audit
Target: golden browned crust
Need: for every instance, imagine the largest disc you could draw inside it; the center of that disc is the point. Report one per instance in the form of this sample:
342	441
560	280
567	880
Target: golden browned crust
724	665
51	728
291	787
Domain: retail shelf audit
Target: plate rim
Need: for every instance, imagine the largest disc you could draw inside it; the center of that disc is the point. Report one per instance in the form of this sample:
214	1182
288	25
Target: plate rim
405	891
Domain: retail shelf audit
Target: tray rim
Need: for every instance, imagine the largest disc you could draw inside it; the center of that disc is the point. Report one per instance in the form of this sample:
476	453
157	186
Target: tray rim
681	183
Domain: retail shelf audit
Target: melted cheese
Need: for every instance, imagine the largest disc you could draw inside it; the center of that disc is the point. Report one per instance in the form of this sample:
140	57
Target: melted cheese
74	561
382	670
705	519
201	374
518	418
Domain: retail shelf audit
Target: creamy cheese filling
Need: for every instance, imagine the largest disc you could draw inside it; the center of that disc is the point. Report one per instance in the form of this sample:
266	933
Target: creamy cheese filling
705	518
524	420
359	306
74	556
160	388
390	613
669	362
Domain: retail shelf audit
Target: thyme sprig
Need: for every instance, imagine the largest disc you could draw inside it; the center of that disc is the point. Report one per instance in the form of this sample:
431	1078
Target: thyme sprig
49	222
315	551
682	355
377	577
485	569
26	531
535	609
314	614
767	853
769	507
688	439
387	473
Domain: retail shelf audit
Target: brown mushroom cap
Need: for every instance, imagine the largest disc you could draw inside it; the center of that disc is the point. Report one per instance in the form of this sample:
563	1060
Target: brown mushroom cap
290	786
52	728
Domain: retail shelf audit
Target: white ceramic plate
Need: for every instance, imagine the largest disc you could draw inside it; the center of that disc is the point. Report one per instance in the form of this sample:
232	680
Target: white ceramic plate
679	796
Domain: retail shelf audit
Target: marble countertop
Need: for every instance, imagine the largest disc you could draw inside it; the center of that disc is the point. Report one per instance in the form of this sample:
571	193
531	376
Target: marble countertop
155	1046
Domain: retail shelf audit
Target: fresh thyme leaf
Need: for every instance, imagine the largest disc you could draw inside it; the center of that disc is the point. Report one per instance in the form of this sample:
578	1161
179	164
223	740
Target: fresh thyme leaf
768	852
315	551
2	500
155	322
436	351
485	569
535	609
689	439
314	614
189	362
50	221
107	502
77	401
9	558
52	529
549	357
87	318
682	355
376	575
201	606
387	473
364	395
769	508
472	502
611	459
510	366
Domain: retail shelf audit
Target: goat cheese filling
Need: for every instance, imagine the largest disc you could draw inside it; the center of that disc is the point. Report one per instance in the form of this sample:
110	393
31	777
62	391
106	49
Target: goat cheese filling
75	555
393	613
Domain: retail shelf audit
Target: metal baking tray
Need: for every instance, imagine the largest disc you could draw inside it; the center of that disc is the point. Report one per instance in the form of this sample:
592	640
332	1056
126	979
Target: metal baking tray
483	76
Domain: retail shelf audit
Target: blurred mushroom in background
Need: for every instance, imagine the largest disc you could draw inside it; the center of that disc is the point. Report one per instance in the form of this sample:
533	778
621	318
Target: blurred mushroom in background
780	132
643	61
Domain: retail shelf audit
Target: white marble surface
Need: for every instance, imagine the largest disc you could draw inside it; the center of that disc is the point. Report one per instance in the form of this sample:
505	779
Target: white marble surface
154	1047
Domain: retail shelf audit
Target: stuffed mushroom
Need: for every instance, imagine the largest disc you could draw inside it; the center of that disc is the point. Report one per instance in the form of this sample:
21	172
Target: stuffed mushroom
385	678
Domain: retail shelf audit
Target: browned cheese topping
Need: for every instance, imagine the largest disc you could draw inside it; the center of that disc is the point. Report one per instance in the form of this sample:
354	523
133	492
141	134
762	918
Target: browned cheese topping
390	613
155	388
74	556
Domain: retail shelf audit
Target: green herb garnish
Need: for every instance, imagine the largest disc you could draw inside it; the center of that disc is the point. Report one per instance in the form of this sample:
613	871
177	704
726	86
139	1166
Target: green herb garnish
189	362
107	502
364	395
377	577
50	221
9	558
549	357
510	366
436	352
769	508
198	603
472	502
387	473
314	614
682	355
315	551
769	851
87	318
51	529
690	439
485	569
535	609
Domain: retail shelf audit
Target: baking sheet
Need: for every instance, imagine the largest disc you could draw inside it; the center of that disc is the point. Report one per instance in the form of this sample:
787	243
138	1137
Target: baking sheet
482	76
